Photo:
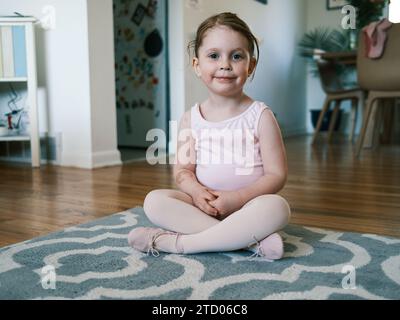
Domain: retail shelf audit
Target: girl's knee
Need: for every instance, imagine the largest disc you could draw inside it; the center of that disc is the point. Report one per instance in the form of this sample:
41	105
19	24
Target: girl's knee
153	201
275	203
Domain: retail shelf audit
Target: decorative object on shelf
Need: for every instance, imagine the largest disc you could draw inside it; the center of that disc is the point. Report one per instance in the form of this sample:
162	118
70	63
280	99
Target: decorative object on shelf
14	98
335	4
14	119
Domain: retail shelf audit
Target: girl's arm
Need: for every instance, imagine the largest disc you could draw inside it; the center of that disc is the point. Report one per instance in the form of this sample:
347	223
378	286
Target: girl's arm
273	155
185	162
185	168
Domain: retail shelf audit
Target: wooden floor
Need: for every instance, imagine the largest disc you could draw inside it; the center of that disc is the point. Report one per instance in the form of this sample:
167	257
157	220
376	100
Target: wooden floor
326	188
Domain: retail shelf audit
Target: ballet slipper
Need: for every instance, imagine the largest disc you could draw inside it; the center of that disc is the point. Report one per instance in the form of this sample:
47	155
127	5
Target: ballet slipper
144	239
270	248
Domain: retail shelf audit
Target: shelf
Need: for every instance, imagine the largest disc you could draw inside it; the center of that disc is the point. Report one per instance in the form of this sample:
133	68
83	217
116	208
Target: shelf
15	138
24	79
17	19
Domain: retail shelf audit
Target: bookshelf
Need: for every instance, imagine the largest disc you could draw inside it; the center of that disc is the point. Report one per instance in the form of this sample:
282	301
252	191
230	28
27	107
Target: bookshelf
18	65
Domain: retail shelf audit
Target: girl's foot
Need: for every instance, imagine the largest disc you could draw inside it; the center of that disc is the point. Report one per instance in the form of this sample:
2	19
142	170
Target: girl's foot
270	248
150	240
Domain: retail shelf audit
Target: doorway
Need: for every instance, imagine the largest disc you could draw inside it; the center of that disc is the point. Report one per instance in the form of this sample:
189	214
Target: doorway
141	68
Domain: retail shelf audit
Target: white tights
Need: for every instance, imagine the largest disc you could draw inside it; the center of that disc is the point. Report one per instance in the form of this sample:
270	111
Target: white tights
174	210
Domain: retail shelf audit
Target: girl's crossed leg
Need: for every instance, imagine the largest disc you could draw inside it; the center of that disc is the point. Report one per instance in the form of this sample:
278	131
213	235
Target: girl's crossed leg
174	210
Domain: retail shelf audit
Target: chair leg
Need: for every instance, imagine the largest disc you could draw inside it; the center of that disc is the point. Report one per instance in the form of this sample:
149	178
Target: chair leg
334	119
353	118
367	116
387	121
324	110
370	134
378	123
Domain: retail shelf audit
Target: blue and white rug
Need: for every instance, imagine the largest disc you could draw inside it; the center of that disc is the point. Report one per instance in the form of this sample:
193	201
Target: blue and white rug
93	261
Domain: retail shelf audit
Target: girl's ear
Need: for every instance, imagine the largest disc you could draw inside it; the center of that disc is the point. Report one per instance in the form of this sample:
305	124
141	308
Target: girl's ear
253	63
195	64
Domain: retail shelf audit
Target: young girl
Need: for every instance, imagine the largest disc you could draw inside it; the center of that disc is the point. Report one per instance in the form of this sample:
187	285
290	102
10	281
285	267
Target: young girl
222	206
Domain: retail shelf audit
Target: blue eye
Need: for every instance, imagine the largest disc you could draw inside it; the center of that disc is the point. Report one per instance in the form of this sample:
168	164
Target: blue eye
237	56
213	56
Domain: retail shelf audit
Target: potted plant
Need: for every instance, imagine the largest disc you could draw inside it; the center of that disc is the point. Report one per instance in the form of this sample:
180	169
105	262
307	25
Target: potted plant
321	39
367	12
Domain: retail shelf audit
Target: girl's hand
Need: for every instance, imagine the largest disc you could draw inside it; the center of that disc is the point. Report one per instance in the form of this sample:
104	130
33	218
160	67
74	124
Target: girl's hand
227	202
201	197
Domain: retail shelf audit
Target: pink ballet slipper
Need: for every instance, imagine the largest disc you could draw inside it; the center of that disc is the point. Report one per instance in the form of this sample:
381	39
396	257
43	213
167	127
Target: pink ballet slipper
144	239
270	248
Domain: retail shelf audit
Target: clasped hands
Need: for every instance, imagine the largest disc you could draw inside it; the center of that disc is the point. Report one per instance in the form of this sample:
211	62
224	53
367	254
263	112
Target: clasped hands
218	204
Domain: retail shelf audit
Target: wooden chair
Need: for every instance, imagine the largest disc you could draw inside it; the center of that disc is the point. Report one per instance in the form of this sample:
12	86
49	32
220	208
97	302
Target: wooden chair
336	92
381	77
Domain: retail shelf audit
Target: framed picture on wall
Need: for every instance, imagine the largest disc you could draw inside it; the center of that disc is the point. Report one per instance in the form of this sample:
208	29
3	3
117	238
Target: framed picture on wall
335	4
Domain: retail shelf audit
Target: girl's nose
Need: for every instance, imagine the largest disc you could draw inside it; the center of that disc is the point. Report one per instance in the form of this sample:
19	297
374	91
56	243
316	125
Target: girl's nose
226	68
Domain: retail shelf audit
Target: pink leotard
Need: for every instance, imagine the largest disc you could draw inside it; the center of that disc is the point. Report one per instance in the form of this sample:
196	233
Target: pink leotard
228	152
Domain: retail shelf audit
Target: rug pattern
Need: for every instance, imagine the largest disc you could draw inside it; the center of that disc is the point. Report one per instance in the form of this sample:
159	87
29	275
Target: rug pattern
93	261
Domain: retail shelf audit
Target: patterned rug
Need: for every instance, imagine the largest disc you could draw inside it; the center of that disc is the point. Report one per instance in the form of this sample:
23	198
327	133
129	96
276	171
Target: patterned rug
93	261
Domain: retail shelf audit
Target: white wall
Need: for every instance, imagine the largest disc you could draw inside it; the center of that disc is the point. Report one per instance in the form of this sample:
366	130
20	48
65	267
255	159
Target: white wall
73	92
102	83
177	61
279	80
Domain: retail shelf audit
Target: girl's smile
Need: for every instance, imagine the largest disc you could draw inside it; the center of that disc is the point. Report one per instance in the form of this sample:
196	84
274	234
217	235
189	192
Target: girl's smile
225	79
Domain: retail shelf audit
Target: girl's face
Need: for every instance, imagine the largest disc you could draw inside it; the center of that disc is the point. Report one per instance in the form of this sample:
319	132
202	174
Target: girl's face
224	62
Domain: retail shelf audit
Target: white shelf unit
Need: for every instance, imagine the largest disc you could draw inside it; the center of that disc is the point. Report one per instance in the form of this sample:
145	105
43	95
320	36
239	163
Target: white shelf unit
31	84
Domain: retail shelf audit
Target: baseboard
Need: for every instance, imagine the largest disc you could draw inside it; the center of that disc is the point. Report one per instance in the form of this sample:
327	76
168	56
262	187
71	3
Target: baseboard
294	132
106	159
91	160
